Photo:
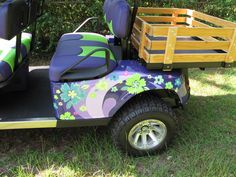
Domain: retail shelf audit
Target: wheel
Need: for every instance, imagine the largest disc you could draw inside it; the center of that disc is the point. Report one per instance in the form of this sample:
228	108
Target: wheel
144	127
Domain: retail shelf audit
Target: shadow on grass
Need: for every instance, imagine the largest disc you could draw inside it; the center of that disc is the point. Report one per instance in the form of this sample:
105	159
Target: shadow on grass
89	151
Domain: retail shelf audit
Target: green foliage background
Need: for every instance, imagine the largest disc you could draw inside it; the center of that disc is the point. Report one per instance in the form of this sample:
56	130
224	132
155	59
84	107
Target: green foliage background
64	16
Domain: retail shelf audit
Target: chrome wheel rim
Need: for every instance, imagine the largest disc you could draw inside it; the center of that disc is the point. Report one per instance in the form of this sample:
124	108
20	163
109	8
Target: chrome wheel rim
147	134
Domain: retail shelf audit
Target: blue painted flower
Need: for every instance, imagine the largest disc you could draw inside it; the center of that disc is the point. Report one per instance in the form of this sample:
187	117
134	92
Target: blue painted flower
178	82
159	80
71	94
114	77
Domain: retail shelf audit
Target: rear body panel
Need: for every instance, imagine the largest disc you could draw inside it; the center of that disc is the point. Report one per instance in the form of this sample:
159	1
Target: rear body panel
103	97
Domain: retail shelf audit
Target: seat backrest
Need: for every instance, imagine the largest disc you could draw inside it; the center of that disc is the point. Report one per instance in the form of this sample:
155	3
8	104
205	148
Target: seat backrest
117	14
16	15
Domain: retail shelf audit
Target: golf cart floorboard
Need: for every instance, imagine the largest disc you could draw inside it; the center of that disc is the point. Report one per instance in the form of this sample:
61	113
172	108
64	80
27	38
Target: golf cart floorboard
33	103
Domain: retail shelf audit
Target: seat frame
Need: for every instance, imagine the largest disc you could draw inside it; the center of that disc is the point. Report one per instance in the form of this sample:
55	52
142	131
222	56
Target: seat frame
18	81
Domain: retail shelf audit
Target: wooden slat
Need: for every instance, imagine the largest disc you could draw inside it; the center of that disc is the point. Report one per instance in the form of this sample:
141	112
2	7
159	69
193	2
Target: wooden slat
190	58
174	15
163	19
170	47
145	27
196	23
146	56
190	45
139	22
231	57
135	42
136	32
150	10
205	32
212	19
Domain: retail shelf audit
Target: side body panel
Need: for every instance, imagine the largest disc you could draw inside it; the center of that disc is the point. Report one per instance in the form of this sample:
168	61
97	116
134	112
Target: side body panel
103	97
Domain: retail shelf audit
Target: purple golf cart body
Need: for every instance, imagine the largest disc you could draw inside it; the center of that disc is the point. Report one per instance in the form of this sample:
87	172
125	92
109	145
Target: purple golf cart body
93	80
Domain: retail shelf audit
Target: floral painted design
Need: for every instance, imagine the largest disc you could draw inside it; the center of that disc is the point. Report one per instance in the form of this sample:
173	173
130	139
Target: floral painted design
83	108
178	82
169	85
67	116
159	80
102	85
93	95
71	94
114	77
114	89
102	98
135	84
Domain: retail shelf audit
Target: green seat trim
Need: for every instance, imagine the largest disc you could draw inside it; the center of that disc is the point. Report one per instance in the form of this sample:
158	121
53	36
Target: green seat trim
100	54
94	37
8	53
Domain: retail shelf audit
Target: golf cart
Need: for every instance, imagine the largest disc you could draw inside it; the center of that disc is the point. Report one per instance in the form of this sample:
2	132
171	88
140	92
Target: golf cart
130	80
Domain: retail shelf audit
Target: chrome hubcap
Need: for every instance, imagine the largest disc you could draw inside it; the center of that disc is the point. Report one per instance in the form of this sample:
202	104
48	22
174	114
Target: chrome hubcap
147	134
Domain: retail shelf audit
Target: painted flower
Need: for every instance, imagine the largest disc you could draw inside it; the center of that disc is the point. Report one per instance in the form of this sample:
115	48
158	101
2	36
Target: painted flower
60	104
67	116
169	85
55	106
114	89
149	76
85	87
135	84
93	95
126	73
71	94
159	80
58	91
55	97
114	77
178	82
83	108
170	76
102	85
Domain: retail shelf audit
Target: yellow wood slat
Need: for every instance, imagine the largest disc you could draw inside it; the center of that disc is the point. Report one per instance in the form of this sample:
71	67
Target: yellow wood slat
190	58
145	28
146	56
212	19
204	32
163	19
135	42
150	10
170	46
190	45
136	32
199	24
139	22
231	57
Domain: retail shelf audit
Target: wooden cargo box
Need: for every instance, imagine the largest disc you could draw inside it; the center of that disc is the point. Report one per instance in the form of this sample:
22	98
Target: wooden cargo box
169	38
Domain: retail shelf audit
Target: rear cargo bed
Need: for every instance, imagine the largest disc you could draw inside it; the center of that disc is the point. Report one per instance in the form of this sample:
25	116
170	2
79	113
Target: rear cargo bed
168	38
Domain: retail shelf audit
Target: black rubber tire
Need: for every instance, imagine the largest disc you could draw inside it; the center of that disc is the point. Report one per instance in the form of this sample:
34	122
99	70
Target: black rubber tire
141	108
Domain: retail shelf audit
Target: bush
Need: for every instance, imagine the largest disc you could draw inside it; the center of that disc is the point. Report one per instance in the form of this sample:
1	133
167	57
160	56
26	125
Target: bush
65	16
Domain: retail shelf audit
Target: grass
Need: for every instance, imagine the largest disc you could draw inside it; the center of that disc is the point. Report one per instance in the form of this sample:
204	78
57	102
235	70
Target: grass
204	146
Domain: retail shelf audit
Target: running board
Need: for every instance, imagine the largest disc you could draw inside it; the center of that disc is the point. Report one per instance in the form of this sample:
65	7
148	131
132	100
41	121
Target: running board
51	123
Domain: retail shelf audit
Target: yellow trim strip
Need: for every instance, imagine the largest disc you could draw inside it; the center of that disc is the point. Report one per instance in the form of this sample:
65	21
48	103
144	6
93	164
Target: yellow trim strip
28	124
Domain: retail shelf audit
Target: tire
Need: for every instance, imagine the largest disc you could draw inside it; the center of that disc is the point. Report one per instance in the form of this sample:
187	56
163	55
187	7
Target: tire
153	116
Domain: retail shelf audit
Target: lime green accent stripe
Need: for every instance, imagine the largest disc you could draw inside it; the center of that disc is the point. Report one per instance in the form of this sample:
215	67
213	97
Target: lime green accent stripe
110	25
94	37
26	42
100	54
10	56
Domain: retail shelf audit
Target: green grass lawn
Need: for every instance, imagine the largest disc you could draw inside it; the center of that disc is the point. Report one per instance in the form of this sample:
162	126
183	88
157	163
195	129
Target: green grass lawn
204	146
